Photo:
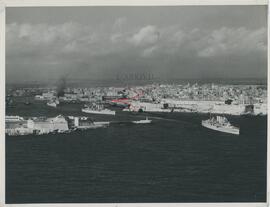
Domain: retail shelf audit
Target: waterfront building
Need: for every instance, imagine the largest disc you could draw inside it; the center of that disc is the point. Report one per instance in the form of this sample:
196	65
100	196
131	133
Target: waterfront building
58	123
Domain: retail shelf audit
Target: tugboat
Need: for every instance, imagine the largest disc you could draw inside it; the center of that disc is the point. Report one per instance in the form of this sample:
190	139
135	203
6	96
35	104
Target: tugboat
220	123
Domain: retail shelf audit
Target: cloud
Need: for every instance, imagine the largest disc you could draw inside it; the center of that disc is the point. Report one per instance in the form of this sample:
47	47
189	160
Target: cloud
57	47
117	37
52	40
72	37
147	35
226	41
149	51
120	23
39	34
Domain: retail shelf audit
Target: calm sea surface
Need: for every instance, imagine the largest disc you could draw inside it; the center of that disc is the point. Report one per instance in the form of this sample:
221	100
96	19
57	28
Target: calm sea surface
173	159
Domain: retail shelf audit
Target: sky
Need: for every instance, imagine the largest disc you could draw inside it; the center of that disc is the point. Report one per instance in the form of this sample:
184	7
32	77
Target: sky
96	43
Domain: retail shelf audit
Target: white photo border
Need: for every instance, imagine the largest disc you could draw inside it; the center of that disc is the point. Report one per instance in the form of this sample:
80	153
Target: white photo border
73	3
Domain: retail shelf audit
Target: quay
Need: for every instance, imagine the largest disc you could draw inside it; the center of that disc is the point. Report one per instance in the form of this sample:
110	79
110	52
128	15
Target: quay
16	125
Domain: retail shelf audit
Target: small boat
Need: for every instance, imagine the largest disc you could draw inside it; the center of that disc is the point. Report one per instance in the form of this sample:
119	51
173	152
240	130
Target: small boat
53	104
145	121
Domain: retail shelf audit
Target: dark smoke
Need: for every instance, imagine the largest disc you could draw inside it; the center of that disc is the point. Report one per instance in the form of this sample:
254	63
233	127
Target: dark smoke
61	87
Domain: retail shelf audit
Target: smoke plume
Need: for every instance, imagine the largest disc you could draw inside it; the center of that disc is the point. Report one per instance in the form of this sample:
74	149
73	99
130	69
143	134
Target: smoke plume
61	87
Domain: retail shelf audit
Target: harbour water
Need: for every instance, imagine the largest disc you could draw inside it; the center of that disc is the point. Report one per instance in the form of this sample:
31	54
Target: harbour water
173	159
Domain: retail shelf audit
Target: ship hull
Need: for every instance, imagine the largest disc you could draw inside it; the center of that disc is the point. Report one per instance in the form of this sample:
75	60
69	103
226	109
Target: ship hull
221	129
52	105
142	122
98	112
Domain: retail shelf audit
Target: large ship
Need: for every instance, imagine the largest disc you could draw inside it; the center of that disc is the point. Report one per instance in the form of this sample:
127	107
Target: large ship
97	109
220	123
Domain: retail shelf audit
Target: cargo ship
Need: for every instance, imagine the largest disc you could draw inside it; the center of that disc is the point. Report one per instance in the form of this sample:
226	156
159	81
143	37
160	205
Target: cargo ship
220	123
97	109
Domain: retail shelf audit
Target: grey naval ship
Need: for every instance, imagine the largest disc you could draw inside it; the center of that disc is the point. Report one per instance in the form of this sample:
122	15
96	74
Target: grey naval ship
220	123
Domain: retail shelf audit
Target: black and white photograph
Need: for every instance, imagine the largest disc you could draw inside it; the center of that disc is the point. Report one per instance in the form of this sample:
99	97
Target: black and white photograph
136	104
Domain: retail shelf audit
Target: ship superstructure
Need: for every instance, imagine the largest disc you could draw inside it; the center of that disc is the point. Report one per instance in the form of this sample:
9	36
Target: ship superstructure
97	109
